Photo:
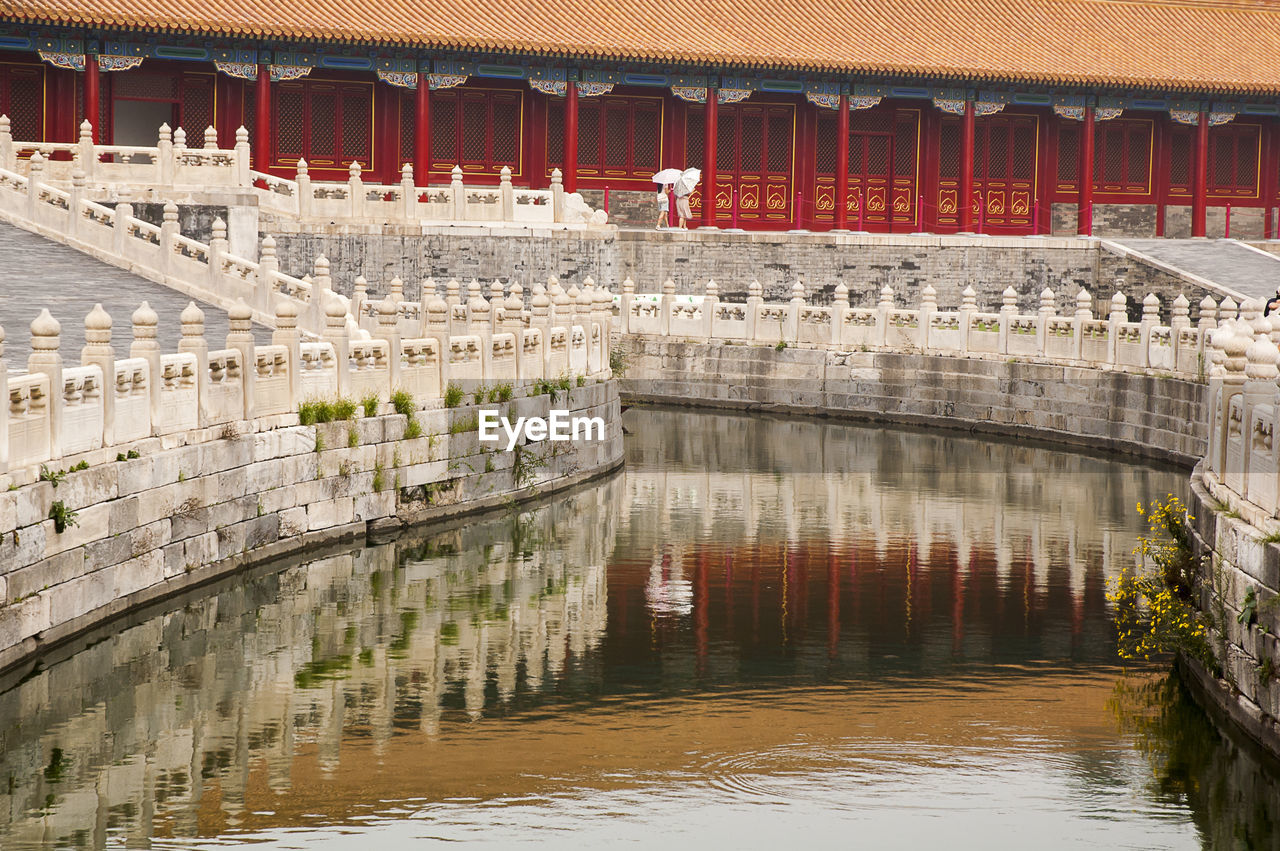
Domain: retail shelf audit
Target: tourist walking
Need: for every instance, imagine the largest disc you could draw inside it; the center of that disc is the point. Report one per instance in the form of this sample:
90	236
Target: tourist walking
664	205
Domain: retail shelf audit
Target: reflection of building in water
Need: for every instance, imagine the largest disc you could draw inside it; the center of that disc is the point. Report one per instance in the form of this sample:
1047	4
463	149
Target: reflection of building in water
905	553
127	736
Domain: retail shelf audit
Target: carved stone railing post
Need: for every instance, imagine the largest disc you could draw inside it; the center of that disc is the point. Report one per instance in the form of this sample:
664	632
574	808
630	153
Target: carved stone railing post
145	346
604	314
210	138
242	160
286	334
1083	314
306	193
557	196
883	307
839	306
624	305
44	358
321	290
4	389
408	194
1150	319
513	323
664	309
508	195
458	192
755	298
355	191
1208	320
794	308
1008	309
240	338
335	333
709	303
1046	312
572	297
1119	314
928	307
540	319
479	324
9	161
164	160
1259	390
193	342
968	307
561	315
387	329
169	229
86	153
218	247
359	296
264	292
1181	314
453	298
97	350
496	301
75	197
35	174
120	222
435	319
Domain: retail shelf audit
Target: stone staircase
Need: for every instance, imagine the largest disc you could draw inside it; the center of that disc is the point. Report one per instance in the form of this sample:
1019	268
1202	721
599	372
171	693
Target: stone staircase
1227	264
38	272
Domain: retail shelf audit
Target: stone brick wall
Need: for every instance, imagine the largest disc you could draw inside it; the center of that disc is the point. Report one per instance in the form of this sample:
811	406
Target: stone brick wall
1147	415
178	516
627	208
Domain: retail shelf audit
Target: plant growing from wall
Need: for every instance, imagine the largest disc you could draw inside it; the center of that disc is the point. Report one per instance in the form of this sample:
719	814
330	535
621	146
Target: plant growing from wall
453	395
370	404
1153	604
618	362
62	516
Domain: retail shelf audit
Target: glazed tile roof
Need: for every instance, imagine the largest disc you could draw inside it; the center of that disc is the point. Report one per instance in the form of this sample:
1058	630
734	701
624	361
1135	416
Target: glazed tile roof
1207	45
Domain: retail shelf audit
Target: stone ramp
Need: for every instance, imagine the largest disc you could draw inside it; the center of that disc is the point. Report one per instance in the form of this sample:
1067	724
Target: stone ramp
1227	263
36	273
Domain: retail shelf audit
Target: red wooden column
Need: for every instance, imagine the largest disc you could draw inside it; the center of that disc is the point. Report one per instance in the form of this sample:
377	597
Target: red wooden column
966	169
1199	188
570	177
92	94
842	163
422	131
262	120
1084	207
709	159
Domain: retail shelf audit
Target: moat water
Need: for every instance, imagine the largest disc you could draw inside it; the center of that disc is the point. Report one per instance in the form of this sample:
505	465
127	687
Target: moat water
764	633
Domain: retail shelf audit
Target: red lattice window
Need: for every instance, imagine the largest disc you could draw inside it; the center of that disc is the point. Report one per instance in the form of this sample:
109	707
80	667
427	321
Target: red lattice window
466	124
555	133
196	110
1024	152
145	85
904	148
22	99
646	133
327	123
1233	160
825	154
408	126
695	137
752	141
1122	155
948	150
779	159
870	121
250	117
1180	148
1068	152
617	136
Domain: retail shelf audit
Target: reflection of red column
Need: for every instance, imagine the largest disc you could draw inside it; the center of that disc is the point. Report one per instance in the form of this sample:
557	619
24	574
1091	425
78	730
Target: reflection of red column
842	163
92	90
1084	208
570	177
833	605
709	159
966	169
262	120
701	615
957	607
1200	190
422	132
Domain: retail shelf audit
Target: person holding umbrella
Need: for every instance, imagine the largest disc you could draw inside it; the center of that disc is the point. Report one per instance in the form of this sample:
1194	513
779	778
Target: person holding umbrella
684	188
665	179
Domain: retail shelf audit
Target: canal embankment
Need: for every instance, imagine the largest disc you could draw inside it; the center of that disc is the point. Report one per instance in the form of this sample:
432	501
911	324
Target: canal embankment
85	545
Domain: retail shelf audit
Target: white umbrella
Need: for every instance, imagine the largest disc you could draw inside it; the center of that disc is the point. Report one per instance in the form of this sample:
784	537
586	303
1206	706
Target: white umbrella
688	180
667	175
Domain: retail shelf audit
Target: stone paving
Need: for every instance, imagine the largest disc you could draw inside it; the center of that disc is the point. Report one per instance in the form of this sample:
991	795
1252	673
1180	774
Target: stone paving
36	273
1225	262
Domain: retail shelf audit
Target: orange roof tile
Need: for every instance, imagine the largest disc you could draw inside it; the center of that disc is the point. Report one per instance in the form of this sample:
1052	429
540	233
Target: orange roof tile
1200	45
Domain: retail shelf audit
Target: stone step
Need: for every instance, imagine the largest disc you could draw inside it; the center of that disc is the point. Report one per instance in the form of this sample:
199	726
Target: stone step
1225	262
37	273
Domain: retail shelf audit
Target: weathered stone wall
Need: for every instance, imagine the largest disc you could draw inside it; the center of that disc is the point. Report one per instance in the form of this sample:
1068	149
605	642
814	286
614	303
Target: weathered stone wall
181	515
1238	566
1149	415
864	263
628	208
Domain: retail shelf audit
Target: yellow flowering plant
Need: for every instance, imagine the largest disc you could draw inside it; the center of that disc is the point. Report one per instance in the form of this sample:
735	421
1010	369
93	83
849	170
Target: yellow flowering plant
1153	610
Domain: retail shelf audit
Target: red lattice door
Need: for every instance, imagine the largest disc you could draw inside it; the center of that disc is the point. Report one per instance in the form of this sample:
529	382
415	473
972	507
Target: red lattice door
755	164
22	99
1004	173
